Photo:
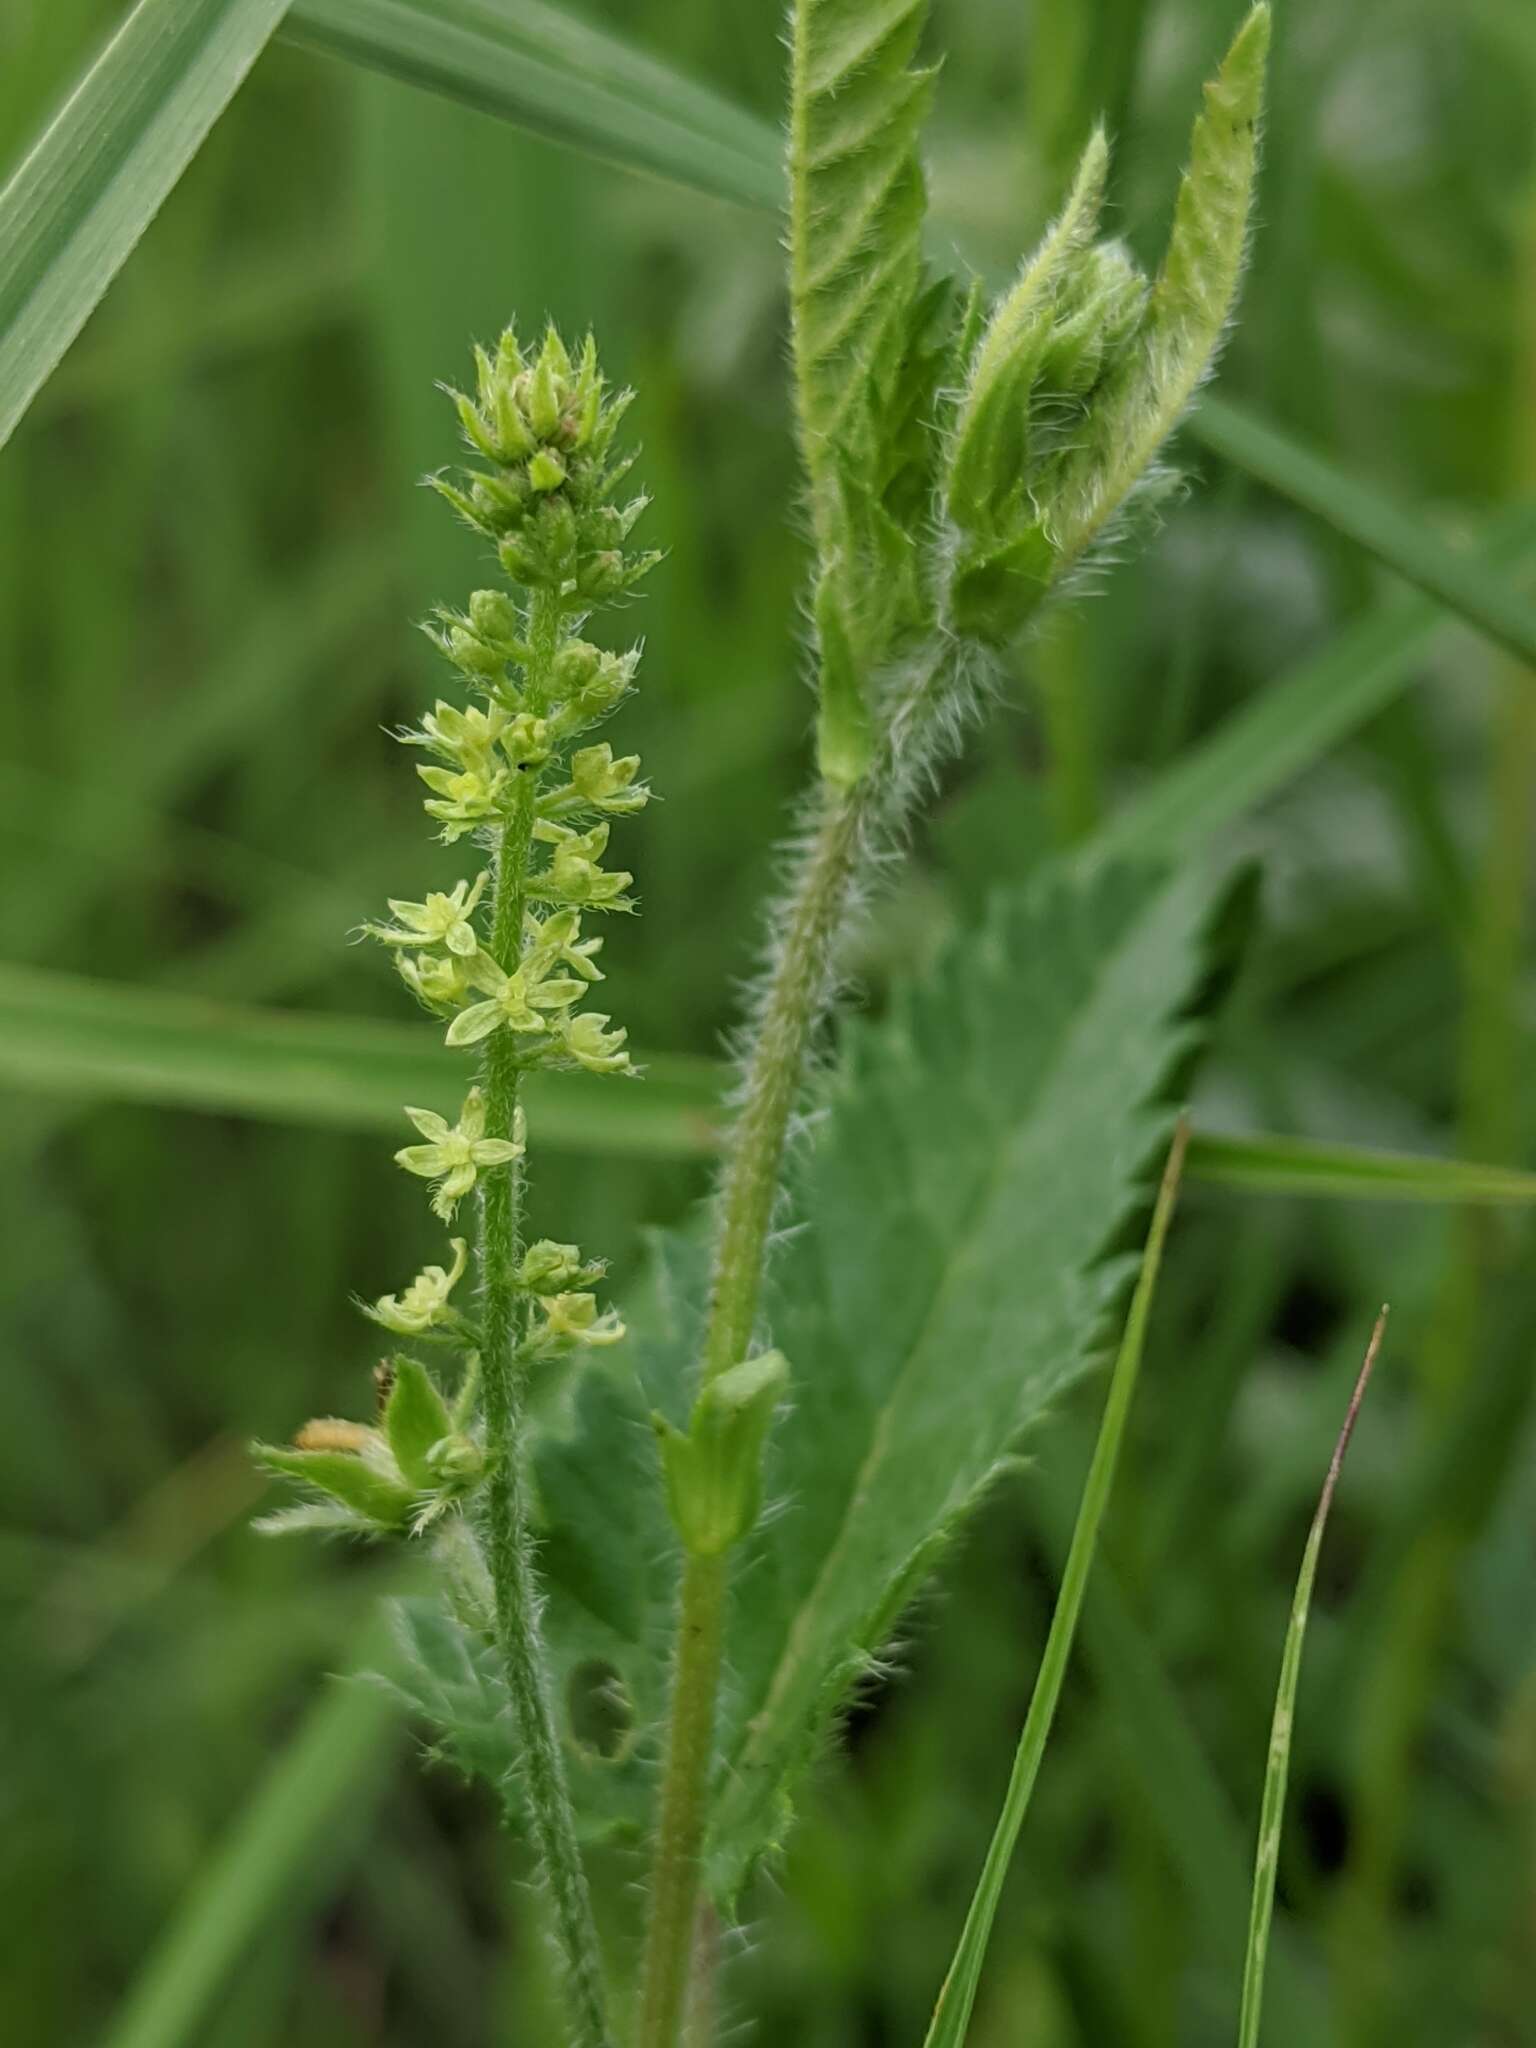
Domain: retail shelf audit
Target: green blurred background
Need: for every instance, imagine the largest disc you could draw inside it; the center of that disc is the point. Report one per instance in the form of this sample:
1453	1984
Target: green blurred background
211	549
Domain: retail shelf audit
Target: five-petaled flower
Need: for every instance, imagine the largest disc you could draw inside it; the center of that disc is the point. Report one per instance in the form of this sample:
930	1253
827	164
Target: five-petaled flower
514	1000
443	920
454	1155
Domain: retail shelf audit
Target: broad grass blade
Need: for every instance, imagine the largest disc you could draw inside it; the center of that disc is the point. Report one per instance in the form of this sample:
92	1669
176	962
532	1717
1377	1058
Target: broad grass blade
1272	1809
952	2014
100	171
1299	1166
1299	718
553	74
288	1842
80	1037
1399	540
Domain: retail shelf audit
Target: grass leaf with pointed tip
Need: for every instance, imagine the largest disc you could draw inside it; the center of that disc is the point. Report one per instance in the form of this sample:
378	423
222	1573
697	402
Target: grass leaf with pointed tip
952	2013
559	77
1277	1772
1306	1166
98	174
1396	538
72	1035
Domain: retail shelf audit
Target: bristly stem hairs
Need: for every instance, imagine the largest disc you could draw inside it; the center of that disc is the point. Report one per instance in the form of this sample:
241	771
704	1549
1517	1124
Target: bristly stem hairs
505	959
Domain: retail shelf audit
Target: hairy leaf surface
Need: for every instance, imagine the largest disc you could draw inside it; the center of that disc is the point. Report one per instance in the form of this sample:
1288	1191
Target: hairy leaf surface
607	1556
1191	299
856	207
982	1146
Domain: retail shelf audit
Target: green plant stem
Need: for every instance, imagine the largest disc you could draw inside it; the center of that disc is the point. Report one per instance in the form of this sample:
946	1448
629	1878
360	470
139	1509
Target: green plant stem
797	991
795	996
509	1543
680	1823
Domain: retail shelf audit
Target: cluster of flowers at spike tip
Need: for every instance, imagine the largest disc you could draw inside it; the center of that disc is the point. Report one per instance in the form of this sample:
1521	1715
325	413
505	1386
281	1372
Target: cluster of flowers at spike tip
546	426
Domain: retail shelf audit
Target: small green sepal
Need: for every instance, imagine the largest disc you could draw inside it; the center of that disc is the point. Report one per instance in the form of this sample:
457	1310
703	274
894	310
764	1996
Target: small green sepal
714	1472
357	1481
415	1420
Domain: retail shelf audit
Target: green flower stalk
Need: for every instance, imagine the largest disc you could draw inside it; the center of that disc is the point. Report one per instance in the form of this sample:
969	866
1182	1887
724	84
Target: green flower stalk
504	961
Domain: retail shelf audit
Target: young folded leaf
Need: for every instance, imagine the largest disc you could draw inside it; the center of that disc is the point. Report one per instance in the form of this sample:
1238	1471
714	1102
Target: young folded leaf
1190	304
1084	370
857	202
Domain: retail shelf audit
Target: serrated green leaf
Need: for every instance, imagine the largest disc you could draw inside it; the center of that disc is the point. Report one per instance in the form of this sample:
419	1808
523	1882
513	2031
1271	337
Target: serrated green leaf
415	1418
1004	1111
1190	304
100	171
607	1560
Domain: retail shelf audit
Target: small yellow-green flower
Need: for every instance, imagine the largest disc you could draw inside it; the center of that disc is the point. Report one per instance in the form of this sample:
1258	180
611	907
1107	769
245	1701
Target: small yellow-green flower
465	798
454	1155
550	1268
593	1047
519	1001
442	920
573	874
571	1319
466	737
438	981
558	939
424	1305
599	779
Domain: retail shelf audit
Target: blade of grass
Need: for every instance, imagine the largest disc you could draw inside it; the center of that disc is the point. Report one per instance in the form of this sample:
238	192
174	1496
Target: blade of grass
550	73
952	2013
1298	718
1277	1771
299	1824
1300	1166
1399	540
75	1036
97	1040
99	172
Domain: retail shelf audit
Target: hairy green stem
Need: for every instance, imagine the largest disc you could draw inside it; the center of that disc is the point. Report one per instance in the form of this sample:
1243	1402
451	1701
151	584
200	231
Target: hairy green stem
680	1823
749	1190
798	988
509	1543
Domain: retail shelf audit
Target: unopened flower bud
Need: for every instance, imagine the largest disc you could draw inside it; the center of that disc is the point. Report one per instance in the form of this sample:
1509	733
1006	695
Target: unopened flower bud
546	472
